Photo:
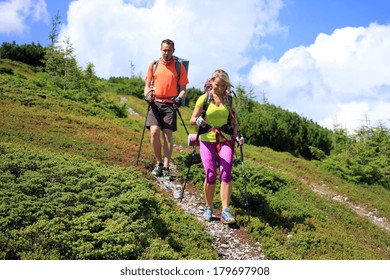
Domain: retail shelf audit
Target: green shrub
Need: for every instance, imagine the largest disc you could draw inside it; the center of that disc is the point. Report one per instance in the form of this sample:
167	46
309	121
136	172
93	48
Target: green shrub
54	207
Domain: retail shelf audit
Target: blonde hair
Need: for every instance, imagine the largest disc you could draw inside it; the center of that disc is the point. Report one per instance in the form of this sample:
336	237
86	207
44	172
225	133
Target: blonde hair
224	76
221	74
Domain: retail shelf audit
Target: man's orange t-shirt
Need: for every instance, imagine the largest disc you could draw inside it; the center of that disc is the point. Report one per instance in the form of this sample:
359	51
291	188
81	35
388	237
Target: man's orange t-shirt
165	78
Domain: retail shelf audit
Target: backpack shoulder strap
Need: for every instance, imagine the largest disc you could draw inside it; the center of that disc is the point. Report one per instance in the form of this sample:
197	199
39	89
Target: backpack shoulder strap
178	69
208	98
232	112
206	104
155	64
230	98
178	66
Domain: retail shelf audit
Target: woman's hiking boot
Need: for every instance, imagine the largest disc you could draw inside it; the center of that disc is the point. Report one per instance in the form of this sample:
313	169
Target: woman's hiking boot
226	217
208	213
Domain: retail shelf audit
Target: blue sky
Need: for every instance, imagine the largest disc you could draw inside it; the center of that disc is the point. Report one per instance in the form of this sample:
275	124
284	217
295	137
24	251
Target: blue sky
305	19
326	59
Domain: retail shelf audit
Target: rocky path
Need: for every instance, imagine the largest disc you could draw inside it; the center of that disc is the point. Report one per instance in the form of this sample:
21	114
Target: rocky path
231	242
361	210
130	110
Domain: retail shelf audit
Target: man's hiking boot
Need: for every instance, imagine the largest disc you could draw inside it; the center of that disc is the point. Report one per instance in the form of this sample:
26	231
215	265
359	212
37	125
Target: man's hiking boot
166	174
208	213
158	170
226	217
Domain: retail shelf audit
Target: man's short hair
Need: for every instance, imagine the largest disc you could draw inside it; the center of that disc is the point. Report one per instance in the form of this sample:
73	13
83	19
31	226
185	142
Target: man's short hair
168	42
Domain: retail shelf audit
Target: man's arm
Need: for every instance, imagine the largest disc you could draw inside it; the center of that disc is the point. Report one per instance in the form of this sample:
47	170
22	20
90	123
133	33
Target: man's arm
182	91
148	92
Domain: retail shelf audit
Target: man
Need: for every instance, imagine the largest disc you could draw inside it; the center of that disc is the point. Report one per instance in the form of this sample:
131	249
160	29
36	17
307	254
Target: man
164	90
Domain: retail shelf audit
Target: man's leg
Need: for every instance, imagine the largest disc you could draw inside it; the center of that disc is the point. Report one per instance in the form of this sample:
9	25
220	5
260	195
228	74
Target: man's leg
156	142
168	146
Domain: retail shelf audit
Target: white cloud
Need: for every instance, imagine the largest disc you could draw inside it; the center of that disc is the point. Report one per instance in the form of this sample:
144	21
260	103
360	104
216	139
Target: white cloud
15	13
210	34
344	75
354	114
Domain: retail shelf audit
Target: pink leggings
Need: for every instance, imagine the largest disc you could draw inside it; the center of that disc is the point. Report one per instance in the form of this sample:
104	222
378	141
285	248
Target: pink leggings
208	153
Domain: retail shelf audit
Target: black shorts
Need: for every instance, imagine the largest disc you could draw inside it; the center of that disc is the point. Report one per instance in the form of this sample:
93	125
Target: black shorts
163	115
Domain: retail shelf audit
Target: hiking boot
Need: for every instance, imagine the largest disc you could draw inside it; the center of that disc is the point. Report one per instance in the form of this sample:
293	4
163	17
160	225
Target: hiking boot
226	217
208	213
166	174
158	170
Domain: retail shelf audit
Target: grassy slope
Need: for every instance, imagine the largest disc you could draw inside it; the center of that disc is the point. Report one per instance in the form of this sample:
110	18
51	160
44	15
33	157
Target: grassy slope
372	197
34	124
65	127
322	228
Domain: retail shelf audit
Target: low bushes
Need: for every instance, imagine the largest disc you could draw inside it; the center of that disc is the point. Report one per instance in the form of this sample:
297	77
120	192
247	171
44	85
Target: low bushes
54	207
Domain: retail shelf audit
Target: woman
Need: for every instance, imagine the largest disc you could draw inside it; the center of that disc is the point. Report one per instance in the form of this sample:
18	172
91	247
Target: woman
218	131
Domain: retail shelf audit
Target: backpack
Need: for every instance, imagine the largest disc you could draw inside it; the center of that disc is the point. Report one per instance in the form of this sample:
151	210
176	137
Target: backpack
179	61
227	128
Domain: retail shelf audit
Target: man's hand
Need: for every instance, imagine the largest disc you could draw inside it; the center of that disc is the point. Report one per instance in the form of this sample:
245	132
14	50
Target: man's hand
177	101
149	97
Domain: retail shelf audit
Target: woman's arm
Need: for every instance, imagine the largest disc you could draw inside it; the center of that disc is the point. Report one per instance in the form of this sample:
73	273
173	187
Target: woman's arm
195	114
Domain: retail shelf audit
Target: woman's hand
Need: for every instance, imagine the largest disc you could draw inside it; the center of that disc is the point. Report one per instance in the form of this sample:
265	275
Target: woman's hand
240	139
199	121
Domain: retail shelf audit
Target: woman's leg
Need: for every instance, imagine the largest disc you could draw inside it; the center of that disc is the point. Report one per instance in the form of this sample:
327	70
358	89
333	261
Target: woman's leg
226	194
208	156
226	164
209	191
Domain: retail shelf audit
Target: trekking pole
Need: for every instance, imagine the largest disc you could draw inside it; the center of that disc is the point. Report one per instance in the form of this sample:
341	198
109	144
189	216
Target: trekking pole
143	130
186	178
244	179
189	166
178	111
182	120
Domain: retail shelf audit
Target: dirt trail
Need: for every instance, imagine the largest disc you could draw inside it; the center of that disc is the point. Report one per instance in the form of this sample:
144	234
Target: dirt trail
130	110
231	242
361	210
